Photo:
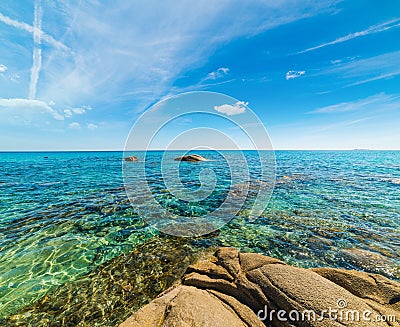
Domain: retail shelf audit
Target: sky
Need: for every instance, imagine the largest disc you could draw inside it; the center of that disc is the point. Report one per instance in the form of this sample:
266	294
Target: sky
77	75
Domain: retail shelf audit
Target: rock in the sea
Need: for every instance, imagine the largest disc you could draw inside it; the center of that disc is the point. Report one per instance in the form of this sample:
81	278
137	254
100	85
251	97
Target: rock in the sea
247	289
131	158
191	158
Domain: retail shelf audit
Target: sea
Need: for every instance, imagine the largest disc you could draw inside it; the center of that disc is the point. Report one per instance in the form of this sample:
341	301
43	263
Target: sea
66	219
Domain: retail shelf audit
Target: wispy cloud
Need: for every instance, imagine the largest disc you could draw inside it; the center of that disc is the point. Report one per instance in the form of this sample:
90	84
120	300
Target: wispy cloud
220	72
92	126
370	30
230	110
30	106
152	58
360	71
99	64
291	74
67	113
79	111
375	78
209	80
74	125
340	124
376	102
30	29
247	126
201	85
37	51
3	68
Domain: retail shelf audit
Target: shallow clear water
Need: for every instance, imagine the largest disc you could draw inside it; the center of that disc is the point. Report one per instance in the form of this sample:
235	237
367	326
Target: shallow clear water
64	215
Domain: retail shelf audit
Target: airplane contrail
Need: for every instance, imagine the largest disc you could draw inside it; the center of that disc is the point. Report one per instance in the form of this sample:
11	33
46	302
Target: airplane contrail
370	30
28	28
37	51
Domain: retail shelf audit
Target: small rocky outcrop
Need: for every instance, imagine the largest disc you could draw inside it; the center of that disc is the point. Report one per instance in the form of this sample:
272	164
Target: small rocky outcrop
240	289
191	158
131	158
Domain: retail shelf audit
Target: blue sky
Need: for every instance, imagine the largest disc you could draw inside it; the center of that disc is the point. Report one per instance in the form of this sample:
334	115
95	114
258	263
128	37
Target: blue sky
76	75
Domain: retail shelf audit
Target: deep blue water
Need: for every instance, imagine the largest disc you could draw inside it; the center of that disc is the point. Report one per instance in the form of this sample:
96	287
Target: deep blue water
64	213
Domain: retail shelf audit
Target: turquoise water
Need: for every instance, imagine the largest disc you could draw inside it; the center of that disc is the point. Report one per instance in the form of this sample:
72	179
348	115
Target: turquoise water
63	214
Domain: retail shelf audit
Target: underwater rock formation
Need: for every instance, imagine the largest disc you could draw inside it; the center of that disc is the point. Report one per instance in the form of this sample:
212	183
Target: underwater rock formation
112	291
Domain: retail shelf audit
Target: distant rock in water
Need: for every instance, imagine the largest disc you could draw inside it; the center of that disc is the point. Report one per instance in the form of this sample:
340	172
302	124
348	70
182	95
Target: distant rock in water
130	158
191	158
395	181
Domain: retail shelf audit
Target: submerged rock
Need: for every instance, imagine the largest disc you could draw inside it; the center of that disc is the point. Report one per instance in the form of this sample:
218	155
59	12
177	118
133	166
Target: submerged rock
114	290
243	289
131	158
191	158
370	261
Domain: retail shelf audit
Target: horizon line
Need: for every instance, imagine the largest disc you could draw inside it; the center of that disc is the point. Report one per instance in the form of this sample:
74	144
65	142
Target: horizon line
158	150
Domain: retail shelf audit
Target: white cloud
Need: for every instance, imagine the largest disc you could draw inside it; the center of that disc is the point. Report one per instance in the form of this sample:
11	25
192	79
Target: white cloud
220	72
30	106
370	30
291	74
97	60
67	113
230	110
375	102
91	126
155	57
15	78
79	111
76	111
3	68
74	125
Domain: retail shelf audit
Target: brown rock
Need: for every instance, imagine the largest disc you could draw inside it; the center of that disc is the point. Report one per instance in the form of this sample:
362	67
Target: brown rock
372	287
189	306
131	158
210	269
291	288
191	158
250	261
230	288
